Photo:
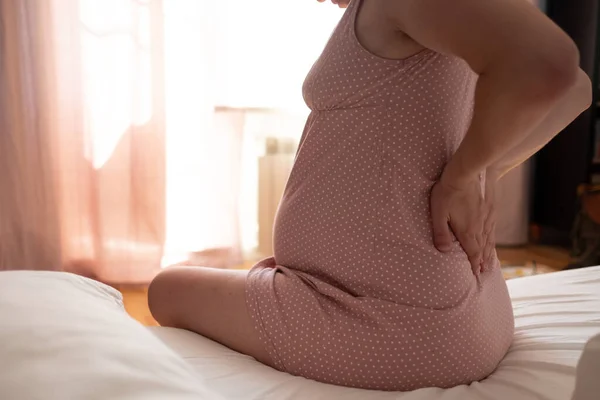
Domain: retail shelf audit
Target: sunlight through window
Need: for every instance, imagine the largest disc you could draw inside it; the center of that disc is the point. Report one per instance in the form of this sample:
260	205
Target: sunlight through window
235	54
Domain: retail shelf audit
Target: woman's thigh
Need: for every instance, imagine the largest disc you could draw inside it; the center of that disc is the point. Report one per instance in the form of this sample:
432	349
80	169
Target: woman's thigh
211	302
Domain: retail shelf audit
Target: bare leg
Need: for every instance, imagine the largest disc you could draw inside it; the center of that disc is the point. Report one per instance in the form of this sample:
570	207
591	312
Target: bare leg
211	302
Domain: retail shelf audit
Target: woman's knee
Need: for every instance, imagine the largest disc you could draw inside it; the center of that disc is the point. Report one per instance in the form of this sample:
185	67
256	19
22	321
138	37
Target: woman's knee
160	296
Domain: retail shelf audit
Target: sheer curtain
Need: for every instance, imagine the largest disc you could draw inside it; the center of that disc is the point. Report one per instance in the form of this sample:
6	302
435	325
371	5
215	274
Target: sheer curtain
83	138
113	156
29	222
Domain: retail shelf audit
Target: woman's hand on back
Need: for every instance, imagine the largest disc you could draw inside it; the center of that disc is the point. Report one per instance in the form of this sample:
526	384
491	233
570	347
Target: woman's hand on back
466	212
489	225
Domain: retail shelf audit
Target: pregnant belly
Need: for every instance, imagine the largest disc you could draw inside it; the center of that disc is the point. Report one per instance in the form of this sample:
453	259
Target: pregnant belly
348	247
314	231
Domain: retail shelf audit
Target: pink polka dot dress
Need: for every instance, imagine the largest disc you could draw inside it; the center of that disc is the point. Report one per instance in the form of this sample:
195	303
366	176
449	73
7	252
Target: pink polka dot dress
356	293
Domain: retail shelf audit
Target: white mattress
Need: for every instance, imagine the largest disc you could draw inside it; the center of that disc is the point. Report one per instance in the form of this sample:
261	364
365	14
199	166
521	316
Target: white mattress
555	315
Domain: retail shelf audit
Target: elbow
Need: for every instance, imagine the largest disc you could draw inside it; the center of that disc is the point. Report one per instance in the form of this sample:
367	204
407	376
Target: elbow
556	71
562	78
584	90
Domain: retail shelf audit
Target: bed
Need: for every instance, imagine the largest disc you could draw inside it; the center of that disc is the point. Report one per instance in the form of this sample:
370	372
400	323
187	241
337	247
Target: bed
71	337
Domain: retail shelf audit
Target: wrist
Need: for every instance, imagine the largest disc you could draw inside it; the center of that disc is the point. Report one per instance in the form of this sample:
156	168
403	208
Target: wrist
456	176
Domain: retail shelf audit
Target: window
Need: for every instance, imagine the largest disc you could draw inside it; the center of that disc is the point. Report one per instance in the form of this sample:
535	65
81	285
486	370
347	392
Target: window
232	54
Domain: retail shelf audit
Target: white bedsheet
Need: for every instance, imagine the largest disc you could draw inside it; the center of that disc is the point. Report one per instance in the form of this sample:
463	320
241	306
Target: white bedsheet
555	315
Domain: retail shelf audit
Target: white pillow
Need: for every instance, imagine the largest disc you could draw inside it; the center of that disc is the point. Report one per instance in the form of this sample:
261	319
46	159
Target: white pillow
66	337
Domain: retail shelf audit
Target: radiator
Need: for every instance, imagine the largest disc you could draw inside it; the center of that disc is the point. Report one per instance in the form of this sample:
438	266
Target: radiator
273	170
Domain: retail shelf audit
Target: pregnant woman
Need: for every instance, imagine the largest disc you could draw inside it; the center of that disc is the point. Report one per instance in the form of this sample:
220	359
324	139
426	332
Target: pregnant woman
384	274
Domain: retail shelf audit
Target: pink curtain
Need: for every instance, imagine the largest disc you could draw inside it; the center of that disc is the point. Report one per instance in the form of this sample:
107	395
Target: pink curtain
29	204
60	206
82	139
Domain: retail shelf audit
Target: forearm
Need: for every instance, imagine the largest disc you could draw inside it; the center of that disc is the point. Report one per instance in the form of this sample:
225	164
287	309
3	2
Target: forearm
510	102
564	111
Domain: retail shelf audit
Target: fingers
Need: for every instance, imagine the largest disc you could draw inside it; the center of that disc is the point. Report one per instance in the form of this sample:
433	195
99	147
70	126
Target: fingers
473	248
442	236
461	214
489	231
472	237
488	248
490	245
488	252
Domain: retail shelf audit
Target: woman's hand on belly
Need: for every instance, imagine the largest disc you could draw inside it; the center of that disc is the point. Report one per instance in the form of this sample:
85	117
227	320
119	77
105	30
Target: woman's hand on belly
468	213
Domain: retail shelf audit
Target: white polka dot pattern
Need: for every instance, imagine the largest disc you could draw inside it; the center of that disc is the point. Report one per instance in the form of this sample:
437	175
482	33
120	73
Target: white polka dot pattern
356	294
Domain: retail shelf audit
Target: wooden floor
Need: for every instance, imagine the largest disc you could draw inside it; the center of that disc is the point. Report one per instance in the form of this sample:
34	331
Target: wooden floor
136	304
553	258
549	259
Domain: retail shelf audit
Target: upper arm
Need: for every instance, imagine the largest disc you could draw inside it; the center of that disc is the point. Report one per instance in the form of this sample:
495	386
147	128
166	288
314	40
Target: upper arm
485	32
